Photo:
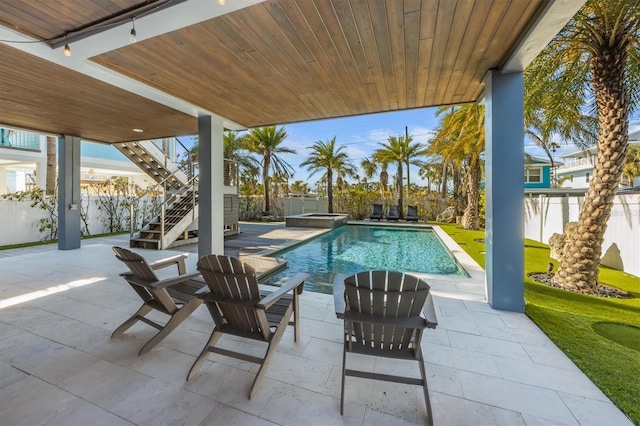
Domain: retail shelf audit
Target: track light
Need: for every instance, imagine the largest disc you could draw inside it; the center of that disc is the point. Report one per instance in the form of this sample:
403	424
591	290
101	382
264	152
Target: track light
67	49
132	36
222	2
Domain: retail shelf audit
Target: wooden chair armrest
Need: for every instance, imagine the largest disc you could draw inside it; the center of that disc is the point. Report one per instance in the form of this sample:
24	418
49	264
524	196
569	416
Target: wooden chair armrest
408	322
169	261
175	280
293	283
429	312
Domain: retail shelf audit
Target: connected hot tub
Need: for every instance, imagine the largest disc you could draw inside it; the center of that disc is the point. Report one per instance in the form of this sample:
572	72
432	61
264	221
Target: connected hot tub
317	220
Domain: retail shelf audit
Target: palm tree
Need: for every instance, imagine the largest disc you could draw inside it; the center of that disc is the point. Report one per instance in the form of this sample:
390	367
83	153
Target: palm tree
398	150
460	139
265	141
631	168
235	150
599	50
324	155
369	167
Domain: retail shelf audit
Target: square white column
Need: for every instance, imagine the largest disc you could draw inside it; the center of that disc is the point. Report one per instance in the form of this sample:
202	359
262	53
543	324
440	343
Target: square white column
210	186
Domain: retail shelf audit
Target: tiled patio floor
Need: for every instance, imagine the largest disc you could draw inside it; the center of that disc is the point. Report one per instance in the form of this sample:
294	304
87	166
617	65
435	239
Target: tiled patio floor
59	366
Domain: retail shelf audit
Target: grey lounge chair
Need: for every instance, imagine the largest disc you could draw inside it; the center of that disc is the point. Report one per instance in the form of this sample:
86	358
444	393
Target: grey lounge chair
393	213
377	212
174	296
412	214
383	318
239	308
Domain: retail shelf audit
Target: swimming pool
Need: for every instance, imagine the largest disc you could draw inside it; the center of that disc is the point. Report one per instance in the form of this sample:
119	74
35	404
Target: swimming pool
355	248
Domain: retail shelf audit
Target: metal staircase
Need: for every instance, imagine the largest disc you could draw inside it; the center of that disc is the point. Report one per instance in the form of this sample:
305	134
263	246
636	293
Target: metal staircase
177	183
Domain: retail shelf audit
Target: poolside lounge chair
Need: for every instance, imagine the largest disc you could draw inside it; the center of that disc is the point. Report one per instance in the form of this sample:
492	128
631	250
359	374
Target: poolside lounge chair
412	214
383	318
174	296
393	213
377	212
239	308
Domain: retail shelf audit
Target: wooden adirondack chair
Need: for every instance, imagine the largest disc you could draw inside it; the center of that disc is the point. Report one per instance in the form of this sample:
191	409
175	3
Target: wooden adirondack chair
174	296
239	308
383	318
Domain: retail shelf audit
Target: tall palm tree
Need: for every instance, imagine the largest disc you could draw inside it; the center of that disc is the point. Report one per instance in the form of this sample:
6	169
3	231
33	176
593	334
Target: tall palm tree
324	155
599	49
235	150
369	167
631	168
398	150
266	142
460	139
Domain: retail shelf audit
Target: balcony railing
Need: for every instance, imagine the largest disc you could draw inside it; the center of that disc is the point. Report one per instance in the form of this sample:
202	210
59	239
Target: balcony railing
589	161
19	139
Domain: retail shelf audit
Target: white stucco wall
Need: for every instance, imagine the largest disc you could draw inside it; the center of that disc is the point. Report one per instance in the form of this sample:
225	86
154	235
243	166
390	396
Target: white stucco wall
545	216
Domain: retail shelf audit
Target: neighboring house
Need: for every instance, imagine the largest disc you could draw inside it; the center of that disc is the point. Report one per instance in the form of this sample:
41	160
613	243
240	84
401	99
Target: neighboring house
23	162
537	172
578	166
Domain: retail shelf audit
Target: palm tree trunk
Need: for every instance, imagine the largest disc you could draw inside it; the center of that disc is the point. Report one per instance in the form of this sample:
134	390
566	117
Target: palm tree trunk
580	262
330	189
443	190
265	182
470	219
50	180
400	191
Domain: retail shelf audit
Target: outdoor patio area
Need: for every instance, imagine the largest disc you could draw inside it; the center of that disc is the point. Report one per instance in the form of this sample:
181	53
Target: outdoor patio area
58	364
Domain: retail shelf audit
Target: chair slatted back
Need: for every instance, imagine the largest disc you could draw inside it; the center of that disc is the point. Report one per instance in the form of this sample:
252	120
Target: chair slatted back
143	274
384	294
412	211
377	209
231	283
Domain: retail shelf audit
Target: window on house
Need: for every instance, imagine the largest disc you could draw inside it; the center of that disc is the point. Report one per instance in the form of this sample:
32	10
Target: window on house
533	175
587	177
571	178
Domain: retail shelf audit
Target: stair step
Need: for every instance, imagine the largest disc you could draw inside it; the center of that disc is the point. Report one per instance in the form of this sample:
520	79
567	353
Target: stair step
145	240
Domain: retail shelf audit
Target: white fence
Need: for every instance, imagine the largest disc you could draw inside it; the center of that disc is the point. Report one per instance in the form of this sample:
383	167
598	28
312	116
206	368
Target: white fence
621	248
19	222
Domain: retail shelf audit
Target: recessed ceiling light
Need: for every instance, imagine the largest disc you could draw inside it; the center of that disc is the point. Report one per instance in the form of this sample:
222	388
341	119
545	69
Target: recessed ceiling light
138	130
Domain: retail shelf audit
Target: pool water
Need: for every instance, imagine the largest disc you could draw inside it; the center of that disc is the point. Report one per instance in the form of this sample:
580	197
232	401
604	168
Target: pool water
356	248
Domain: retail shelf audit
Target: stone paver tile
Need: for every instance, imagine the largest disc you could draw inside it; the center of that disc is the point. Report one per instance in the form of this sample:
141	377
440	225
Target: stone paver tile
551	356
376	418
537	421
159	403
32	402
305	373
9	374
443	380
326	351
229	416
461	359
394	399
488	345
572	382
291	405
450	410
105	384
514	396
593	412
231	386
155	364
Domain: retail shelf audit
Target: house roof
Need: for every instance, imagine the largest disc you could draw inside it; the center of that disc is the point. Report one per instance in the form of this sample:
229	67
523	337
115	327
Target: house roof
253	63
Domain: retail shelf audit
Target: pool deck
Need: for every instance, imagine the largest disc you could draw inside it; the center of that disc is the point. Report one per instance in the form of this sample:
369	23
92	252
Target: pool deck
58	364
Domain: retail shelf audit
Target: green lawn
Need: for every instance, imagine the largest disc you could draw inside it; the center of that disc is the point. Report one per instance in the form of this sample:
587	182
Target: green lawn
571	321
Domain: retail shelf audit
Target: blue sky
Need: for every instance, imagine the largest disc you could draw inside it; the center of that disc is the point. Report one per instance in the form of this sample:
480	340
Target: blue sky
361	136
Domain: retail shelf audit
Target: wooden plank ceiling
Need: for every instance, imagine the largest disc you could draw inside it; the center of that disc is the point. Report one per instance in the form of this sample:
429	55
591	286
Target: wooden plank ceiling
276	62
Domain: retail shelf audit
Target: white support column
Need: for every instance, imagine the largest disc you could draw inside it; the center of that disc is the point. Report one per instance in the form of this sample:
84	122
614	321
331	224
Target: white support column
68	193
210	186
504	165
